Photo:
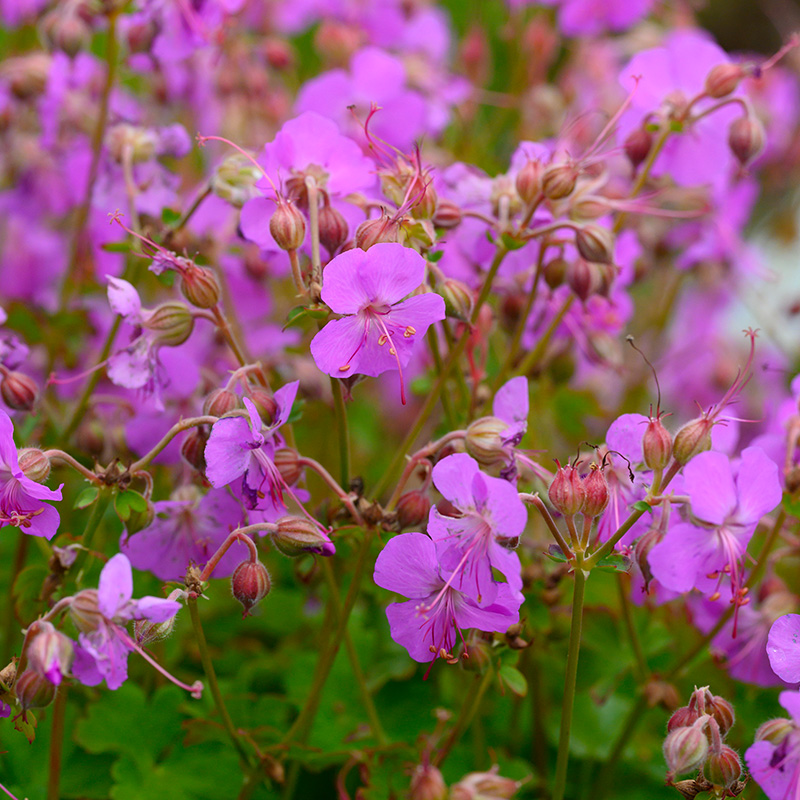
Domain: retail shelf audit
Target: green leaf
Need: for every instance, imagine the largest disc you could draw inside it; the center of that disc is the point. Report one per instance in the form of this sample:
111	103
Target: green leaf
295	316
169	216
515	680
642	505
435	256
86	497
616	562
510	243
555	553
26	725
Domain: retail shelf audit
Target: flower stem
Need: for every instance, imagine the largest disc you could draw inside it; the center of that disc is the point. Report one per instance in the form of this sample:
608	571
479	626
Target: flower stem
342	429
570	677
627	615
56	743
534	356
178	427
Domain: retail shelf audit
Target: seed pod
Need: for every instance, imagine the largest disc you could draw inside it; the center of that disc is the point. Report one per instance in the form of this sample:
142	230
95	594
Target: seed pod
413	508
746	138
685	749
567	492
296	536
723	768
333	230
220	402
529	181
484	441
596	492
595	243
84	611
638	146
288	463
200	287
427	783
193	449
250	584
693	438
656	444
448	215
558	181
34	690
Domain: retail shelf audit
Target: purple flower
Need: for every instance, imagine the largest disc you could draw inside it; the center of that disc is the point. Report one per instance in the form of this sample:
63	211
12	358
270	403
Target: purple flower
429	623
380	329
238	447
774	762
21	499
101	615
726	507
783	648
591	17
491	519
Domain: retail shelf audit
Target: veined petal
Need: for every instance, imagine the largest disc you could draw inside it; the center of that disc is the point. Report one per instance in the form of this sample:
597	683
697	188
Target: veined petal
284	398
511	402
116	586
783	649
337	347
124	299
227	453
758	484
156	609
8	450
682	556
709	484
453	477
408	565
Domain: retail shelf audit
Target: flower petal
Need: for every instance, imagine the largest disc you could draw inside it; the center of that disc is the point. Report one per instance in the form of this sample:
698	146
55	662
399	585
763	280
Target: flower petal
709	484
408	565
453	477
116	586
759	485
227	454
783	648
336	349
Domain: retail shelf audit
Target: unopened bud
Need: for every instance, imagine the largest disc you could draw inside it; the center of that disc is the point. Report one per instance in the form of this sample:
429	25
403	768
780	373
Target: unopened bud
746	138
34	464
377	231
638	145
588	207
723	79
50	653
656	444
27	75
412	508
484	441
146	631
139	34
721	710
66	31
427	783
297	535
193	449
774	730
596	492
484	786
458	298
567	492
220	402
235	179
84	611
333	230
529	181
19	391
250	584
200	287
129	141
278	52
595	243
555	272
723	768
34	690
289	466
685	749
264	403
448	215
558	181
171	322
583	278
288	226
693	438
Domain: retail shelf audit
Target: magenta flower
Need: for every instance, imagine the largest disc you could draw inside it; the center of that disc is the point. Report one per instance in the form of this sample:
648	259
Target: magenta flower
379	329
726	507
774	762
591	17
783	648
491	520
429	623
21	499
239	447
101	616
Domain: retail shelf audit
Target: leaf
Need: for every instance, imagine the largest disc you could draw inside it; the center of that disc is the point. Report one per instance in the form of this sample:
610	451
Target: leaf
127	502
86	497
615	562
435	256
642	505
26	725
510	243
555	553
514	679
169	216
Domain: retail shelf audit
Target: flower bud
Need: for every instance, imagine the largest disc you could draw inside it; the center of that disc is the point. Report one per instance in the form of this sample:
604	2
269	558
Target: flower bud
427	783
264	403
124	140
685	749
288	226
279	53
139	520
447	215
412	508
297	535
723	768
638	145
234	180
558	181
656	444
84	611
458	298
34	690
555	272
588	207
288	463
567	492
484	786
50	653
596	492
484	441
146	631
171	322
377	231
529	181
18	391
723	79
200	287
746	138
333	230
34	464
595	243
66	31
27	75
720	710
139	35
683	717
583	278
774	730
693	438
193	448
220	402
250	584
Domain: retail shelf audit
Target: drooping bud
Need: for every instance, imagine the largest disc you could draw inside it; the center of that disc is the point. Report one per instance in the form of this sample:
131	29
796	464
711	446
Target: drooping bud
200	287
146	631
377	231
685	749
250	584
458	297
555	272
448	215
558	181
774	730
693	438
289	466
596	492
595	243
297	535
34	464
34	690
193	448
50	653
288	226
171	322
484	441
567	492
583	278
427	783
638	146
529	181
220	402
234	180
746	138
412	508
19	391
333	230
484	786
656	444
723	79
723	768
84	611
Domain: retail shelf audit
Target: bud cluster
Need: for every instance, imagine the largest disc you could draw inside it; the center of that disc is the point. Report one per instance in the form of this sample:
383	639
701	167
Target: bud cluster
571	493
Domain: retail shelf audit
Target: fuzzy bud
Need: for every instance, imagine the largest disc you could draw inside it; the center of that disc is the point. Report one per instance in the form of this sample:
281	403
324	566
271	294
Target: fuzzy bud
685	749
200	287
746	138
529	181
84	611
723	79
458	298
596	492
555	272
595	243
34	464
18	390
583	278
297	535
683	717
235	179
720	710
638	146
656	444
333	230
288	226
448	215
146	631
723	768
66	31
427	783
558	181
693	438
567	492
288	463
377	231
34	690
250	584
774	730
171	322
484	786
484	441
220	402
50	653
193	448
412	509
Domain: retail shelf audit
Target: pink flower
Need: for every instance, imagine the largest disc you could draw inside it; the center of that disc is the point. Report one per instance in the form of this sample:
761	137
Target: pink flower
774	762
379	329
783	648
